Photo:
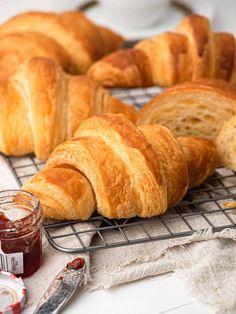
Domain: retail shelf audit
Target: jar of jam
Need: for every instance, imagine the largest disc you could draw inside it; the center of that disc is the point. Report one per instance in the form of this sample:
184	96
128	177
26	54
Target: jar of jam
20	232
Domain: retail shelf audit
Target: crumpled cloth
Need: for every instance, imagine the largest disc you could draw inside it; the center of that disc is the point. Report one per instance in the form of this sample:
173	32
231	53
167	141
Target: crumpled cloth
205	261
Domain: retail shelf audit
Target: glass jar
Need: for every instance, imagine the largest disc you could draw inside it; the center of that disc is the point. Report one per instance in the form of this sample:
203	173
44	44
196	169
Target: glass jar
20	232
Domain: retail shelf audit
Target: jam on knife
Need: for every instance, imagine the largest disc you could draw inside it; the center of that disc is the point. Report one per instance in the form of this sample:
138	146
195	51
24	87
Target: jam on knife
62	288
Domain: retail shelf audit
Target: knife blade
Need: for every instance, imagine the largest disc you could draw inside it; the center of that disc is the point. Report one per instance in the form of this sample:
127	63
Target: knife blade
62	288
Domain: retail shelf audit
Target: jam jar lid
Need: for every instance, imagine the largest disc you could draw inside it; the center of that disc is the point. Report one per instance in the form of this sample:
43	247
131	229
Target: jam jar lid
12	293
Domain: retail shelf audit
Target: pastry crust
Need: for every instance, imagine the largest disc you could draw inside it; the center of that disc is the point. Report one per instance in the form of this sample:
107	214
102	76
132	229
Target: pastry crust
41	107
63	192
172	159
168	56
225	56
31	45
126	68
192	52
197	108
81	41
133	171
139	158
201	157
226	144
201	46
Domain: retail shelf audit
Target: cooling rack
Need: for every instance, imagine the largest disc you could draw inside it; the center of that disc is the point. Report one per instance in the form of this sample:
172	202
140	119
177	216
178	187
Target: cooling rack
211	206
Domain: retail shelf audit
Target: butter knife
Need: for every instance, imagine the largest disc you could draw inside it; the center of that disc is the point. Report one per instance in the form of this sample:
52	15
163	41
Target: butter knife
62	288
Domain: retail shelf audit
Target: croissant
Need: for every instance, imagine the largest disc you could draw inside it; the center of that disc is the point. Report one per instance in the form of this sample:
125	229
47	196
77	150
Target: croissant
31	44
68	38
198	108
41	107
226	144
193	51
120	169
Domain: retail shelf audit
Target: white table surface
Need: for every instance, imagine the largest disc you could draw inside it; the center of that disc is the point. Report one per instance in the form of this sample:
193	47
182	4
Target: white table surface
161	294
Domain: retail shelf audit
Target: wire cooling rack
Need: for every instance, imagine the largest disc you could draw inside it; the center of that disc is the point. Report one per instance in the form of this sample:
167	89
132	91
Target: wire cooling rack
210	206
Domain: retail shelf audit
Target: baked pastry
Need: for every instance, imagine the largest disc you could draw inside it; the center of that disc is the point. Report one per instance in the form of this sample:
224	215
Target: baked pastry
41	107
81	41
120	169
197	108
226	144
193	51
31	44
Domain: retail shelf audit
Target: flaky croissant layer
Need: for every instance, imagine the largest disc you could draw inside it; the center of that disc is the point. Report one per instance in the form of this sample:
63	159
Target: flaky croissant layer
41	107
68	38
193	51
120	169
198	108
226	144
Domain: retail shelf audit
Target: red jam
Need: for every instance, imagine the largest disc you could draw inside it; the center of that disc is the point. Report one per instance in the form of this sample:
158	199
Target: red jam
3	217
76	264
20	233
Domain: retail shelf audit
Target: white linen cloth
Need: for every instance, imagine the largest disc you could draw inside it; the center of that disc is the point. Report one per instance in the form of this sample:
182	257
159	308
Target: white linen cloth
207	267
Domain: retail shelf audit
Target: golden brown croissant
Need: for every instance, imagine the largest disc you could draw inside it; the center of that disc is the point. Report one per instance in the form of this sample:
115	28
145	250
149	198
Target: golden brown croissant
41	107
198	108
31	44
226	144
121	169
44	34
193	51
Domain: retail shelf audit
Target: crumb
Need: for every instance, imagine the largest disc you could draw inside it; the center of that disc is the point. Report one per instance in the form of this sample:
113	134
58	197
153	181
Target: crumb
229	205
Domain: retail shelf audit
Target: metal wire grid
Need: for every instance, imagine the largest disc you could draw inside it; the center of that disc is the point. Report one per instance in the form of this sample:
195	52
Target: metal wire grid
210	206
